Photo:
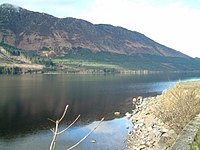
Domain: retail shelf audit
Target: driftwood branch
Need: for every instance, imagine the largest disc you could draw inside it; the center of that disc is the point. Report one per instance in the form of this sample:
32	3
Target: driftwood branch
51	120
69	125
63	115
52	130
53	142
56	132
85	136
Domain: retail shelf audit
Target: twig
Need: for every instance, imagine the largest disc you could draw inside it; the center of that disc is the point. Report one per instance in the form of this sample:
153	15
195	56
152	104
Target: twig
56	132
85	136
53	142
52	130
51	120
63	115
69	125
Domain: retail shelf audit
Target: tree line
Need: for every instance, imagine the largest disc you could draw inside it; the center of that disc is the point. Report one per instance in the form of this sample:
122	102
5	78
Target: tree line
10	70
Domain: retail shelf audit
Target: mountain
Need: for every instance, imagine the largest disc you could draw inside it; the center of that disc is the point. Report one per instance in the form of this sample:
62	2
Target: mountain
17	61
37	31
78	45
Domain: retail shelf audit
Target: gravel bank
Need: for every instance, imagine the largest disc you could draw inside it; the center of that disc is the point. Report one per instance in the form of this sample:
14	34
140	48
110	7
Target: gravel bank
149	132
157	121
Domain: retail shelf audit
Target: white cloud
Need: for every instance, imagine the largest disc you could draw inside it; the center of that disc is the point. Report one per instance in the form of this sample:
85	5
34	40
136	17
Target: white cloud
173	24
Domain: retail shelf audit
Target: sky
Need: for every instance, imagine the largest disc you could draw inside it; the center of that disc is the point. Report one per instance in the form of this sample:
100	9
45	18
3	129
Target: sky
173	23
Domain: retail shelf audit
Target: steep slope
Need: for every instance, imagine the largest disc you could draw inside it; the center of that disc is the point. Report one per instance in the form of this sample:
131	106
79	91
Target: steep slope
42	32
17	61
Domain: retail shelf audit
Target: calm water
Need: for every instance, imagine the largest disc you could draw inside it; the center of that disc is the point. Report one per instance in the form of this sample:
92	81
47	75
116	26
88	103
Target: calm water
27	101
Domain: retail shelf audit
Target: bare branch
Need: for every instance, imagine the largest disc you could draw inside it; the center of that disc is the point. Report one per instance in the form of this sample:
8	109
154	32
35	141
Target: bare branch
52	130
63	115
56	133
51	120
85	136
53	142
69	125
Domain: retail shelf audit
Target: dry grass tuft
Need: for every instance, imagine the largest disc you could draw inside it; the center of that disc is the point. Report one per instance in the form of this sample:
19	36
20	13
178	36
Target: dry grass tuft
178	105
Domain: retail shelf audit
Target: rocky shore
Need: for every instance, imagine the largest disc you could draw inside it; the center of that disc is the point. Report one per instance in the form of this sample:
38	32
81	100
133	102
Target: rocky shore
149	132
157	121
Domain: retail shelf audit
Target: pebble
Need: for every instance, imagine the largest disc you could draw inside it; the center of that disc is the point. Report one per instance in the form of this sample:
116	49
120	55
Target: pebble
157	132
141	147
128	115
147	129
134	100
165	135
117	113
164	130
92	141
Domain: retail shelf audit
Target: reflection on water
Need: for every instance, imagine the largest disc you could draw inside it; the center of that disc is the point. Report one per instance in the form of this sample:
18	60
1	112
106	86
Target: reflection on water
27	101
102	135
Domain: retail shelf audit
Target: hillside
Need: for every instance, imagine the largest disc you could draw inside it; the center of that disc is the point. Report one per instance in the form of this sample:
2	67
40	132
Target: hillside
17	61
77	45
38	31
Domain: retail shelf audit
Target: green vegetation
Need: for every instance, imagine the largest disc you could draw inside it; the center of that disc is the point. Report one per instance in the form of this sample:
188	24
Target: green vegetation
8	70
16	51
196	143
18	61
83	63
29	55
102	60
86	59
87	65
81	60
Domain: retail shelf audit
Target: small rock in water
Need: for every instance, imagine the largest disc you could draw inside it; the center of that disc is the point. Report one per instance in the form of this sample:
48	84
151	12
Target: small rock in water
139	100
116	113
134	100
92	141
128	115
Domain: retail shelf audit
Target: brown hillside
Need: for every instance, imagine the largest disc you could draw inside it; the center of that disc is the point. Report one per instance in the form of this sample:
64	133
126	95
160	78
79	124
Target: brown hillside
38	31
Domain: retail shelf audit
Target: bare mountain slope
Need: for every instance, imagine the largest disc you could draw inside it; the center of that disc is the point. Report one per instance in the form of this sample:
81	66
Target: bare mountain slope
38	31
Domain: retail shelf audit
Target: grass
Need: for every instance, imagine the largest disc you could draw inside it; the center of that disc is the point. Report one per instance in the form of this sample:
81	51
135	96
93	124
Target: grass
196	143
82	59
85	64
178	105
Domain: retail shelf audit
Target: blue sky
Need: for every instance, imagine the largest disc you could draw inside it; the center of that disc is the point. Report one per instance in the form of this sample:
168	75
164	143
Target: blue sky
174	23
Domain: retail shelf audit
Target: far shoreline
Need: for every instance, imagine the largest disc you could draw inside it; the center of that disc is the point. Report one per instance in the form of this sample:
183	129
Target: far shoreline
91	72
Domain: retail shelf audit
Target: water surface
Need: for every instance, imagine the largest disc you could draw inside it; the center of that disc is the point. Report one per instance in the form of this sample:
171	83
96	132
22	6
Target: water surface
27	101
